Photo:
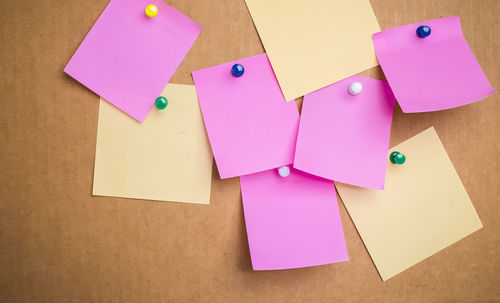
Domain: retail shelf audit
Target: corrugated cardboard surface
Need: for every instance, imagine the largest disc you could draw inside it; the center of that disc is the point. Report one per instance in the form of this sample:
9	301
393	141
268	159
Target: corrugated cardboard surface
60	244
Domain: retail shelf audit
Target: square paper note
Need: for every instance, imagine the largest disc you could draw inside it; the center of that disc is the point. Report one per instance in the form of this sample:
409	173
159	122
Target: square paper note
344	137
314	43
291	222
166	158
250	125
433	73
127	58
423	208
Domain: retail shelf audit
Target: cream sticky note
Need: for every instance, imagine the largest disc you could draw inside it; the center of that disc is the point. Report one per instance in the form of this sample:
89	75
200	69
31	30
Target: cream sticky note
423	208
291	221
345	137
250	125
127	58
166	158
312	44
432	73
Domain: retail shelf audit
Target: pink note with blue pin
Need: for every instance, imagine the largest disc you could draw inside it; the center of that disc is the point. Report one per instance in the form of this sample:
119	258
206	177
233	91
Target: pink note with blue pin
430	66
250	125
132	51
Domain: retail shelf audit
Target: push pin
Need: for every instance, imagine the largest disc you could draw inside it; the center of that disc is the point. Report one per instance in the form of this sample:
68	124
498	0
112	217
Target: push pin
237	70
151	11
423	31
355	88
284	171
397	158
161	102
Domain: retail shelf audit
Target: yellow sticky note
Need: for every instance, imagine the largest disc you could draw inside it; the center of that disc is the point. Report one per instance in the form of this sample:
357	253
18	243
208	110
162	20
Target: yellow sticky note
314	43
423	208
166	158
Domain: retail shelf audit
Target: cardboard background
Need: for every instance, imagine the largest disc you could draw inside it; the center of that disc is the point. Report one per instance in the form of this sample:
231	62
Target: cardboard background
60	244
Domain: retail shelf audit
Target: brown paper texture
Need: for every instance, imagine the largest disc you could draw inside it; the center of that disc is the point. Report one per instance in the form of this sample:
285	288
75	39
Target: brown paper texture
59	243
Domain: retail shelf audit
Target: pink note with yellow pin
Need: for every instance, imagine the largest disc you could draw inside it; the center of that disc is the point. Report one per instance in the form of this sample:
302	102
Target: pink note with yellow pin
131	53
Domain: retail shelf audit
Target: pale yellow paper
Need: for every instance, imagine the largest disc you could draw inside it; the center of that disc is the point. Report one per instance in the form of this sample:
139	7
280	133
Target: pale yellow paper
423	208
167	157
314	43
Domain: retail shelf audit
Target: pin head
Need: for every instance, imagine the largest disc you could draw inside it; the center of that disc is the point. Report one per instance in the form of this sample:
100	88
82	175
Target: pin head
284	171
161	102
355	88
423	31
151	10
237	70
397	158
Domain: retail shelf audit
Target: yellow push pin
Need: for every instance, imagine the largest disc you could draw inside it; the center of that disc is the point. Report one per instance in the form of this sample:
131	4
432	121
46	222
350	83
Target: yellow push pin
151	11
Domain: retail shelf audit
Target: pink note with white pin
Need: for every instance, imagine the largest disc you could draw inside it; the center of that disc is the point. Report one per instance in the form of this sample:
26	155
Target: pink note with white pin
344	132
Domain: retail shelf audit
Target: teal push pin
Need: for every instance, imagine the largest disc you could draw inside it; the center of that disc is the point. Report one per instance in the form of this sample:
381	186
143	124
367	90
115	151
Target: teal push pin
161	102
397	158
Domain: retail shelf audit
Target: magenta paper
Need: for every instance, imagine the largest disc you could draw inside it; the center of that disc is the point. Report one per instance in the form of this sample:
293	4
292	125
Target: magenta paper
250	125
433	73
344	137
128	58
291	222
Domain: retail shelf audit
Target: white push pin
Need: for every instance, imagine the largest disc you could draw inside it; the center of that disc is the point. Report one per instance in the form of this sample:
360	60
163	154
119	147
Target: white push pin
284	171
355	88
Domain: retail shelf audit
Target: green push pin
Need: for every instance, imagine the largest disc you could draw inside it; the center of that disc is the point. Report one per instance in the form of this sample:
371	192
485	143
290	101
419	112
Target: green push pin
397	158
161	102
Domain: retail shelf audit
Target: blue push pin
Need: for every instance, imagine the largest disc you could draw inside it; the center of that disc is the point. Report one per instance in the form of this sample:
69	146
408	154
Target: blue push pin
423	31
237	70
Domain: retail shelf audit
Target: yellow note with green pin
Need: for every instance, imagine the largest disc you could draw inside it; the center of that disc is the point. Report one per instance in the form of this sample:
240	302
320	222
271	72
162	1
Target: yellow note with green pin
166	158
423	208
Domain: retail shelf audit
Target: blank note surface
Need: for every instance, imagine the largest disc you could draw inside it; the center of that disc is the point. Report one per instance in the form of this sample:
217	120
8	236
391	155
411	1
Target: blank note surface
314	43
291	221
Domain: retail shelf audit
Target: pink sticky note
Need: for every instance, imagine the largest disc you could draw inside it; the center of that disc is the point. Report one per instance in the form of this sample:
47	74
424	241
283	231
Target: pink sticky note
344	137
127	58
293	221
433	73
250	125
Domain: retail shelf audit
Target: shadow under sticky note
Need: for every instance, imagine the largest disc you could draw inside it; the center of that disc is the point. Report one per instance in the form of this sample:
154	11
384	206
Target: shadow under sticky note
166	158
314	43
250	125
433	73
127	58
344	137
291	222
423	208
